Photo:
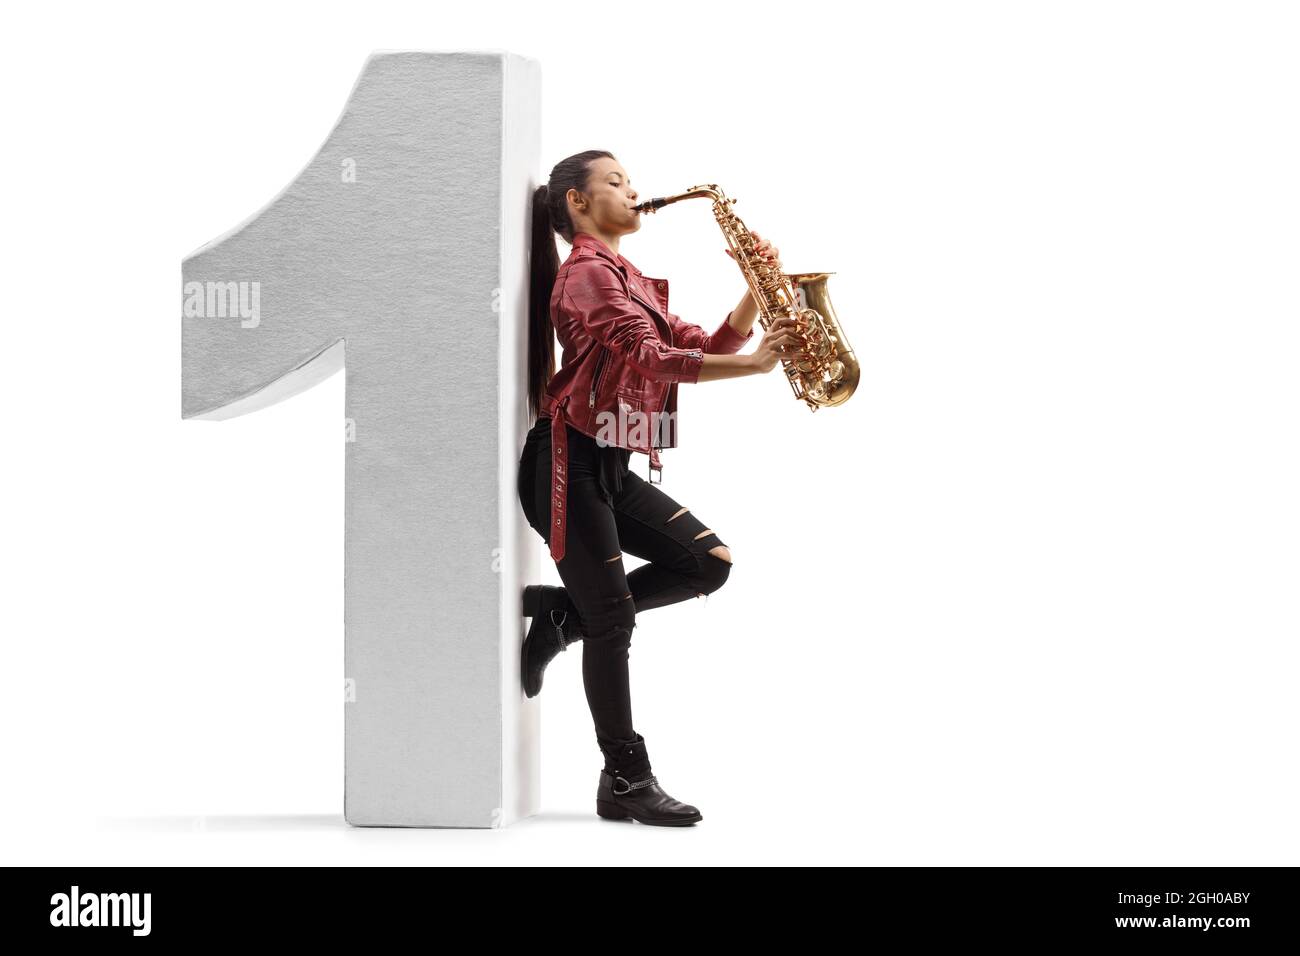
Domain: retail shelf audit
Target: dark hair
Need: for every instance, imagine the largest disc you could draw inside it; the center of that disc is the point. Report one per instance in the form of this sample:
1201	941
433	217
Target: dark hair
550	215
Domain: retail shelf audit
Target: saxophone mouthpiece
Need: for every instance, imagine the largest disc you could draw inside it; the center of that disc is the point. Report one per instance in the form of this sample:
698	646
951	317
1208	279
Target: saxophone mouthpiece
651	205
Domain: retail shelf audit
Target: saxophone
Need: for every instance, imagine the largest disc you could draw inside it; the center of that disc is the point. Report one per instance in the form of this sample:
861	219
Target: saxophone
826	373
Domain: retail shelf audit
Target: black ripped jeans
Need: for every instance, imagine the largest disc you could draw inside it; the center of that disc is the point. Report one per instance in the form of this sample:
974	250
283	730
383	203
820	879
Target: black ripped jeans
605	523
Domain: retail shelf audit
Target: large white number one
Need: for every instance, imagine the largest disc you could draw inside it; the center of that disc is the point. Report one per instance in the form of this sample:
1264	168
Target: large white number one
402	246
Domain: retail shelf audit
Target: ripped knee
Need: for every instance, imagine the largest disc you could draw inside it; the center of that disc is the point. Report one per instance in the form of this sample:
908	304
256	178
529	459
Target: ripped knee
713	573
617	623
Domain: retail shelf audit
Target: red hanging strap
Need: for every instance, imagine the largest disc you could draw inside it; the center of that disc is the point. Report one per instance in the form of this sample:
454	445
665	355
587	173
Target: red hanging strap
559	478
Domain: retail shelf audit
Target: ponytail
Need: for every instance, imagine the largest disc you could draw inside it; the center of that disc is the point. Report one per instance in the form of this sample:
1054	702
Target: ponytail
545	265
550	215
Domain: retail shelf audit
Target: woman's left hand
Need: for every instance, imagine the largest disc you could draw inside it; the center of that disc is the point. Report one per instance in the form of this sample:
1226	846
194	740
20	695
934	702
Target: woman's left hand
764	248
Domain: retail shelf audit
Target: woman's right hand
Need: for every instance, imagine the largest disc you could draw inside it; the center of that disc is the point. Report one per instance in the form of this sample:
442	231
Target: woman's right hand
780	334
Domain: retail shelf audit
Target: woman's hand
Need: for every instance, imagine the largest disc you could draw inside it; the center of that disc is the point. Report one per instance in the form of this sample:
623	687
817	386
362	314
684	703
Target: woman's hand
780	341
764	248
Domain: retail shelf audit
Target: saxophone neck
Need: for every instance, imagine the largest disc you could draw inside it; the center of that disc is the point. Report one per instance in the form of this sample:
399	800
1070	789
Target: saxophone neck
710	191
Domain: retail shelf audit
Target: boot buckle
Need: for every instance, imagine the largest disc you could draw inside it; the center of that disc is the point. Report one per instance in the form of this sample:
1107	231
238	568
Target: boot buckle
559	629
630	786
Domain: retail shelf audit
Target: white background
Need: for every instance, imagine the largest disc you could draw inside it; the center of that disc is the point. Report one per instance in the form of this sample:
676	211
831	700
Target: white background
1029	598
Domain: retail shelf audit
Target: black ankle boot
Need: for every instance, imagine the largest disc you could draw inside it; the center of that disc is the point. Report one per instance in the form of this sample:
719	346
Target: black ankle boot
628	789
555	626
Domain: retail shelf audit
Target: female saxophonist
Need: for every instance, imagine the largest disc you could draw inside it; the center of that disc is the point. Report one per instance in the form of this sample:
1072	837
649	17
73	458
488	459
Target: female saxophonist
615	393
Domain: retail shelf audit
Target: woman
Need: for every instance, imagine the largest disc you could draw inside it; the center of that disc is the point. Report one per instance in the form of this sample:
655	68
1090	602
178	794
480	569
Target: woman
615	392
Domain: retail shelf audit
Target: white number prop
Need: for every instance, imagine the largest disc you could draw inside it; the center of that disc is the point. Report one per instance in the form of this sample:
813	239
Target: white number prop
400	252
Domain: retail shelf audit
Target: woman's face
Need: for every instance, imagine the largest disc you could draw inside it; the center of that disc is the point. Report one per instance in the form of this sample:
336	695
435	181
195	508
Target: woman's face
605	209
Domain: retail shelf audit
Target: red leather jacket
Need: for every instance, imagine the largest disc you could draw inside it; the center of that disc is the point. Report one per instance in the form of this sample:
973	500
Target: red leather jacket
624	354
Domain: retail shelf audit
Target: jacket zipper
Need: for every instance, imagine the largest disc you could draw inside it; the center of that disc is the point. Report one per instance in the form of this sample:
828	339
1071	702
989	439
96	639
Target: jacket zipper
595	382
